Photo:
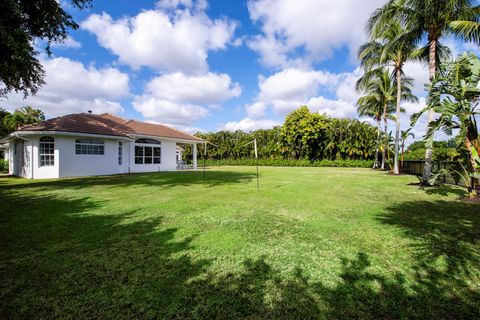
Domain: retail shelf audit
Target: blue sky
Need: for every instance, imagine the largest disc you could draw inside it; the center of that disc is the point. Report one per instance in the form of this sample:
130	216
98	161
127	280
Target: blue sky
210	65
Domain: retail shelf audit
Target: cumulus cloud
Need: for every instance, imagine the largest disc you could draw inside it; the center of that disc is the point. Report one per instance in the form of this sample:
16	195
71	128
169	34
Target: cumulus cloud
249	125
181	99
313	28
164	111
256	110
71	87
210	88
287	89
165	40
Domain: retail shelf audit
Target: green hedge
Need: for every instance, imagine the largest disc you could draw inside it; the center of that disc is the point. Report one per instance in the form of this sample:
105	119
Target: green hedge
3	166
291	163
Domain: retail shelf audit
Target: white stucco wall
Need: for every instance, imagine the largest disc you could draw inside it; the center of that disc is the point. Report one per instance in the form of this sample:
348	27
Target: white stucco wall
77	165
25	163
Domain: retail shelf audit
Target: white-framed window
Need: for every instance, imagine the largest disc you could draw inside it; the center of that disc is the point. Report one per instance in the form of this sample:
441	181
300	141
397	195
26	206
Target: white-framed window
89	146
120	153
148	155
46	151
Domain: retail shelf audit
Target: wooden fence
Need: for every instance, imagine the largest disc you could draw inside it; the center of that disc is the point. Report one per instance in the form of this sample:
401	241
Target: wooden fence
416	167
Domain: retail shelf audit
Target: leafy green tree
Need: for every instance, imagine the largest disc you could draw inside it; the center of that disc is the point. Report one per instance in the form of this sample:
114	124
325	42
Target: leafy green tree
430	20
23	22
444	151
305	133
3	129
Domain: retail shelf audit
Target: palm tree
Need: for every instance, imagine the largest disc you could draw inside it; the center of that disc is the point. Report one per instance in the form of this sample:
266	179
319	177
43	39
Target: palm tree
404	136
389	48
368	106
430	19
380	93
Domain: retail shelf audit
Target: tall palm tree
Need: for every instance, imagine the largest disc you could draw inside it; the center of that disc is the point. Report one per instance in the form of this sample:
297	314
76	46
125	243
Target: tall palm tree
388	47
380	93
431	20
368	106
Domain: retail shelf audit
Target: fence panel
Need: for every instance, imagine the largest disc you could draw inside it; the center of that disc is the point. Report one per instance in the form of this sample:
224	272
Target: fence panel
415	167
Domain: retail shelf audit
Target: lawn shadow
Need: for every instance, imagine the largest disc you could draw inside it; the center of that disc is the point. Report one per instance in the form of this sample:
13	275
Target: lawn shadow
441	229
446	190
64	258
156	179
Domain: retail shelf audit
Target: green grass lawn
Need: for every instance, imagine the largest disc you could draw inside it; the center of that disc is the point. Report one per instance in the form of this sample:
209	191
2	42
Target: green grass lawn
312	243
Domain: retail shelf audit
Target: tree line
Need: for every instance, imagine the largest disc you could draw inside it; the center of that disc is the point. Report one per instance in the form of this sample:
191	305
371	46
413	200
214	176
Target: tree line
10	121
304	135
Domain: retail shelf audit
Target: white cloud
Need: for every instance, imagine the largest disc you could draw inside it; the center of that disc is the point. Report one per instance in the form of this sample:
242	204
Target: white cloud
71	87
69	42
419	72
165	111
168	40
315	28
210	88
256	110
249	125
287	89
180	99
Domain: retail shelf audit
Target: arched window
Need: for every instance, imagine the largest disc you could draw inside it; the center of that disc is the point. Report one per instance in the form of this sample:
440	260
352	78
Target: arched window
46	151
89	146
148	141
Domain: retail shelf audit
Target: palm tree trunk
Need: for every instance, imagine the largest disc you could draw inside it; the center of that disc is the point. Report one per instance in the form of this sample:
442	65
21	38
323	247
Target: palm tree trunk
472	164
375	164
385	147
397	122
401	165
427	169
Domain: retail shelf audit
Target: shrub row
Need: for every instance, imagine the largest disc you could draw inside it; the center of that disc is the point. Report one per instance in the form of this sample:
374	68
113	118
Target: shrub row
3	166
291	163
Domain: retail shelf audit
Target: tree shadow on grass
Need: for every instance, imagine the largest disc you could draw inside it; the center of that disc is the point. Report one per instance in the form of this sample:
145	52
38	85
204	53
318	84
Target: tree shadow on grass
155	179
62	258
446	190
442	229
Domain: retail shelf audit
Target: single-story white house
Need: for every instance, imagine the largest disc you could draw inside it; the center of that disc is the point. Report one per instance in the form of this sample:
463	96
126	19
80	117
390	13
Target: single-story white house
86	144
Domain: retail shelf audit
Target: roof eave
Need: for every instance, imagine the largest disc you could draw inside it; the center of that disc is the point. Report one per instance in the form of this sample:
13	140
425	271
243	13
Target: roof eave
18	134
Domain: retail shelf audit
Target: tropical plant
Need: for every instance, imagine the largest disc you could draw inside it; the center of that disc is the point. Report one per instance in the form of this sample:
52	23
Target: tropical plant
404	135
454	95
23	116
430	20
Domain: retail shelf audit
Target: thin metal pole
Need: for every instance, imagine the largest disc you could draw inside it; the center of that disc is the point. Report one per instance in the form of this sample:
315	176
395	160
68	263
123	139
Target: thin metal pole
256	160
204	159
